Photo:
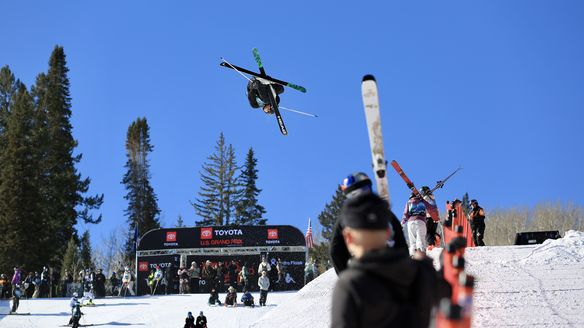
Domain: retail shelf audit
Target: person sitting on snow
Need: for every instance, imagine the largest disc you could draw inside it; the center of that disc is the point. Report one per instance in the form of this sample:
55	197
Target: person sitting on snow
214	297
231	298
189	321
247	298
201	321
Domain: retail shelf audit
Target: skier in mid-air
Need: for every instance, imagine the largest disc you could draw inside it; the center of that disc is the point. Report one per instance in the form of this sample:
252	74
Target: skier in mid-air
258	96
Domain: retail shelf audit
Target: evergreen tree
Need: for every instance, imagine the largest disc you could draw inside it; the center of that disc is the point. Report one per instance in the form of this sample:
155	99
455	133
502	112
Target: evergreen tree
85	251
63	187
20	209
218	196
71	258
180	223
8	86
328	218
142	210
249	212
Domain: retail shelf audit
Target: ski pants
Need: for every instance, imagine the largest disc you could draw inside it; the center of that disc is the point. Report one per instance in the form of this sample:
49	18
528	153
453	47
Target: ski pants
478	232
417	236
15	303
263	297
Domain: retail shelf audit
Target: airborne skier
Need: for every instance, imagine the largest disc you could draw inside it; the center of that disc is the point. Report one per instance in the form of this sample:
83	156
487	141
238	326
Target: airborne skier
257	94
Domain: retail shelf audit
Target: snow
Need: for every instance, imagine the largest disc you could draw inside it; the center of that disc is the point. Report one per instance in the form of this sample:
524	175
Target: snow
518	286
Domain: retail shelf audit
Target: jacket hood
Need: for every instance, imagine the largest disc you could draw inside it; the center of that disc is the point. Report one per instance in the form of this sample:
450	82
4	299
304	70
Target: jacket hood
390	264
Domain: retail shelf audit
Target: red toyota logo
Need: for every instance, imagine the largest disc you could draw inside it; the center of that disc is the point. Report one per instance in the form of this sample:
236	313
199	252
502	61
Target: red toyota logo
207	233
143	266
272	233
170	236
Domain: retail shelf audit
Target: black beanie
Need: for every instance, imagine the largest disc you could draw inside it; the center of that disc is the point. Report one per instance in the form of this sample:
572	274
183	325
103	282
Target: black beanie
367	211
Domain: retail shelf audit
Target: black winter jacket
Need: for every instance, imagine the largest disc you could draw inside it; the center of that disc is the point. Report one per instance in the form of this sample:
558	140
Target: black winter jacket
386	288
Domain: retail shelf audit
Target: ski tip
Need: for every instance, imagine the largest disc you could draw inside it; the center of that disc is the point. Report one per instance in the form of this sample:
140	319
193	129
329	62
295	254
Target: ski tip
368	77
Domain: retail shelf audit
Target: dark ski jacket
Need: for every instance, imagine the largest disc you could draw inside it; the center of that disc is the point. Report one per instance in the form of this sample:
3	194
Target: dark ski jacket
201	322
190	322
386	288
257	93
340	254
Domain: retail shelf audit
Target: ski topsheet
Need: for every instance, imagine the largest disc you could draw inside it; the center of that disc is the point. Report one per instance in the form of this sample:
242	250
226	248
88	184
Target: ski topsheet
272	94
403	175
373	118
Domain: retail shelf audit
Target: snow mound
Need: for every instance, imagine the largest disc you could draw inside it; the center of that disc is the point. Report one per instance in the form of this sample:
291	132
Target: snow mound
569	249
310	307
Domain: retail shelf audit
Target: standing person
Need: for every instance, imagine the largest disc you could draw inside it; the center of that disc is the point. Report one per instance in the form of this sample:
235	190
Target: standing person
157	278
432	216
36	280
195	273
67	279
4	286
150	281
201	321
219	277
114	283
73	303
127	283
415	217
264	265
477	223
99	284
45	283
382	286
232	271
29	285
16	295
280	270
183	276
244	276
207	275
352	186
189	321
264	284
16	278
273	274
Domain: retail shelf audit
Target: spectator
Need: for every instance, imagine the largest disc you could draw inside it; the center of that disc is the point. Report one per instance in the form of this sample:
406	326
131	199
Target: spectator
208	275
37	285
114	283
219	277
264	284
264	265
214	297
244	276
247	298
280	270
231	298
55	279
183	275
201	321
232	270
29	285
45	283
99	284
4	286
16	294
273	274
352	186
67	279
380	277
16	277
195	273
190	321
477	223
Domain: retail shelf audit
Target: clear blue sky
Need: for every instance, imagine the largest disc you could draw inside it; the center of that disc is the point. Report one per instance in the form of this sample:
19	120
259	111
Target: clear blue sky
496	87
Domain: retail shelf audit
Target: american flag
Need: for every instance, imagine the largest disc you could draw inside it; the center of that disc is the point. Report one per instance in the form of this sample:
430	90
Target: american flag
308	237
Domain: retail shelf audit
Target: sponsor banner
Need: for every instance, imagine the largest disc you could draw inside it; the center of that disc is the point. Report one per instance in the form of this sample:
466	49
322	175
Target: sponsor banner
221	236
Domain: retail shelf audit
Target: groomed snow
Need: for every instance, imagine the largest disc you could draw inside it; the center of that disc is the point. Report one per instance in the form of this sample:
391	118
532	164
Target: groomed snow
518	286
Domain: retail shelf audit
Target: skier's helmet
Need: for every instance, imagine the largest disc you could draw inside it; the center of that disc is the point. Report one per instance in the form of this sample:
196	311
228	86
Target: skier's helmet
474	201
355	184
75	294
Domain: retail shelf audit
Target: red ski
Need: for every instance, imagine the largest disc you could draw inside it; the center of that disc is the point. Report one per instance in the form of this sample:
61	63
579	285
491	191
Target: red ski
407	180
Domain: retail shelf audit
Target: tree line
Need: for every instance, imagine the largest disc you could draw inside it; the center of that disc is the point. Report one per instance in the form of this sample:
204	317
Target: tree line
43	196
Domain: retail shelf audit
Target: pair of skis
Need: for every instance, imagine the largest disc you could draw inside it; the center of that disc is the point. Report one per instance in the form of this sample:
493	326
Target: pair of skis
268	80
410	184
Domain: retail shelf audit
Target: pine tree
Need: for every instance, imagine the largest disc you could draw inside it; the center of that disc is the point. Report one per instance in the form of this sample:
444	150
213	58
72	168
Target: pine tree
249	211
63	187
180	223
218	196
71	258
20	209
85	251
142	211
328	218
8	86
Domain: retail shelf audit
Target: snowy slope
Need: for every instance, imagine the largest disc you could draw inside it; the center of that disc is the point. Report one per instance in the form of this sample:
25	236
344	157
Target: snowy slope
518	286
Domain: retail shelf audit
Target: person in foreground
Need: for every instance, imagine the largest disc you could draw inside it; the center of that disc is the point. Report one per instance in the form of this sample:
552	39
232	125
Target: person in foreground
382	286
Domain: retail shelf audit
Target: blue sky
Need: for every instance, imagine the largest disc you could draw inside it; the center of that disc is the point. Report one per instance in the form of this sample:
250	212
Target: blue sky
496	87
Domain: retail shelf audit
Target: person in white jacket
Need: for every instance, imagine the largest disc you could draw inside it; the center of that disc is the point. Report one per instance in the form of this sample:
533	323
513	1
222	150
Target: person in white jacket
264	283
